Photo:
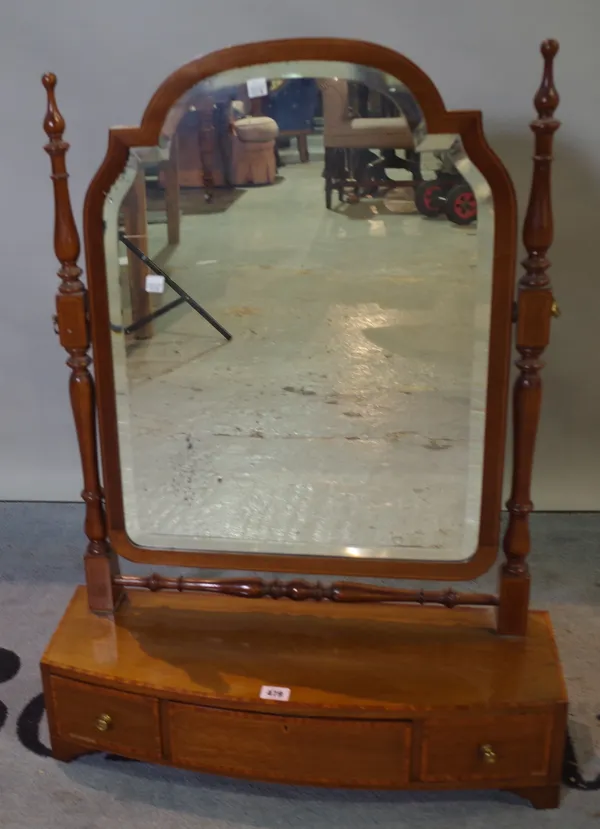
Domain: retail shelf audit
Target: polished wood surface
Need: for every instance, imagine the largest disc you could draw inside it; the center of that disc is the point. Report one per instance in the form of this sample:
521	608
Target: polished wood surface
301	749
379	696
468	125
72	325
339	660
534	312
299	590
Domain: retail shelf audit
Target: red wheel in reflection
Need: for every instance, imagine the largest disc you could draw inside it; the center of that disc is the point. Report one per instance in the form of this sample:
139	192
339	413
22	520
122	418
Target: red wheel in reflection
461	205
427	198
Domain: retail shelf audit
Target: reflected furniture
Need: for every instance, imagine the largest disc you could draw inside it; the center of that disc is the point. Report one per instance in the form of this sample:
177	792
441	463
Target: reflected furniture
334	683
134	223
220	144
293	104
192	125
346	135
253	151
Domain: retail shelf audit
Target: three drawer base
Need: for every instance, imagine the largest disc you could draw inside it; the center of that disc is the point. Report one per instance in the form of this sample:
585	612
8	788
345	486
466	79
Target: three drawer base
358	697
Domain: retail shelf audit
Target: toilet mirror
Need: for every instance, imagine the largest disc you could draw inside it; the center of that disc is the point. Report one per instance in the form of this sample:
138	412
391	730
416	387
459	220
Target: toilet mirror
301	274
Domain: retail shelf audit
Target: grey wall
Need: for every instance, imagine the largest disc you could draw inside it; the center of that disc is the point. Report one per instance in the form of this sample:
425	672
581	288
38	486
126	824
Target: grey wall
110	56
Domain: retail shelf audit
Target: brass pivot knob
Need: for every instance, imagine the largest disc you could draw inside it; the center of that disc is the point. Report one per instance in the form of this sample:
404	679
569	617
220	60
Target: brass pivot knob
555	309
488	754
104	722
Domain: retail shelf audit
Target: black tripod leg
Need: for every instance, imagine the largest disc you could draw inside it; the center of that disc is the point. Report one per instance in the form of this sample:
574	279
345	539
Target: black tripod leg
172	284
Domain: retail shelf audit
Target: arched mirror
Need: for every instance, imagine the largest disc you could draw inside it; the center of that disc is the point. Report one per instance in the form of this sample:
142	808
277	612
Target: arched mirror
301	274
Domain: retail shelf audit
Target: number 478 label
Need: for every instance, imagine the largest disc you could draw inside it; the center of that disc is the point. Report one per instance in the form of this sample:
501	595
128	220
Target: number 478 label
272	692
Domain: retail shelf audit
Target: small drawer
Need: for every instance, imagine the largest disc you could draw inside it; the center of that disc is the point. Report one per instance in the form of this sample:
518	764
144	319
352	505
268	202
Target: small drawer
106	720
501	747
318	751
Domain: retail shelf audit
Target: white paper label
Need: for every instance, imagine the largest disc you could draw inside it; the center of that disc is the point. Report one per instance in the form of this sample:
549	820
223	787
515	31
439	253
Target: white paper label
155	284
274	693
257	87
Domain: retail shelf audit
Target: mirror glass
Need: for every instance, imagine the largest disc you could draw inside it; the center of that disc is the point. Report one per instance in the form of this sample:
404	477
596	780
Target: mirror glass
300	286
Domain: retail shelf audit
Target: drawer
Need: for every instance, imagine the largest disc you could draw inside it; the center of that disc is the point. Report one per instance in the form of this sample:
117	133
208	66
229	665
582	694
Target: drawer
501	747
104	719
315	751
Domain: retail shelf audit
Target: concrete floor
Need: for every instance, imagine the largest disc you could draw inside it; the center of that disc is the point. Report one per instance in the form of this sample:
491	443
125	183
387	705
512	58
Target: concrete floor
347	411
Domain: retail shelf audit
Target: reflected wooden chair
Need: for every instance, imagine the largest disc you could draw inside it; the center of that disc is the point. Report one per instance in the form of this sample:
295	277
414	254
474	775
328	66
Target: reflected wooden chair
348	138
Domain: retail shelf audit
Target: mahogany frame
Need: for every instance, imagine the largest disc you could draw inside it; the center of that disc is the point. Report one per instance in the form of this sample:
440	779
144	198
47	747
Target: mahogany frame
79	311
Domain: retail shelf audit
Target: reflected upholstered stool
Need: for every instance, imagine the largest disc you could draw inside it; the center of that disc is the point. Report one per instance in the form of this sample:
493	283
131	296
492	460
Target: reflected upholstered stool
253	151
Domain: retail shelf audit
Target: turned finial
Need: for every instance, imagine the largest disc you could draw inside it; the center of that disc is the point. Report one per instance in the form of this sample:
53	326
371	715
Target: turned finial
547	98
537	228
54	123
66	238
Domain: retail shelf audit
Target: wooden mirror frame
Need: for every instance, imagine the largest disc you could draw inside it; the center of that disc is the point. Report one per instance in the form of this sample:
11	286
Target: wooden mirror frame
80	312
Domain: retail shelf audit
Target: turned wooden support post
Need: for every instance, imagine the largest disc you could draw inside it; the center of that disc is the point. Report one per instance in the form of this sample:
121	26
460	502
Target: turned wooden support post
71	322
535	307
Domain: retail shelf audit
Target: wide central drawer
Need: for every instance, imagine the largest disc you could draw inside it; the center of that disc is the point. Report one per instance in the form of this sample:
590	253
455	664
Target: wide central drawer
318	751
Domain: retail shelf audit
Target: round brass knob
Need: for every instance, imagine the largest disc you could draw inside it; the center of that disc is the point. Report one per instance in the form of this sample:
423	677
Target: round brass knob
104	722
488	753
555	309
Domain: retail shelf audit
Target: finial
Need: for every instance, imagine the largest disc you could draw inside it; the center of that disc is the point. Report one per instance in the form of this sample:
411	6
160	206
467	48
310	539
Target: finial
66	238
549	48
547	99
54	123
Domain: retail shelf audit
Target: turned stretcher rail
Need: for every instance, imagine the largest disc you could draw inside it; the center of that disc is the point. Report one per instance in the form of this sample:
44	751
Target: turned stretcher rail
299	590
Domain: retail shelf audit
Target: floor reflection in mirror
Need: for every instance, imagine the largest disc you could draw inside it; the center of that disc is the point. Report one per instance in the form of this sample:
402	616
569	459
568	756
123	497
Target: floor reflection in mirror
347	410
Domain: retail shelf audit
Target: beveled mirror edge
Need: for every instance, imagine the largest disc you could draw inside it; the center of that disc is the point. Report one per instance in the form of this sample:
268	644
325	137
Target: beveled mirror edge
467	124
316	565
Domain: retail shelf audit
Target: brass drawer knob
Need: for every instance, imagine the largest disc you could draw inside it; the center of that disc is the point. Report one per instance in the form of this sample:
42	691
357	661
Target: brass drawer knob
555	309
488	754
104	722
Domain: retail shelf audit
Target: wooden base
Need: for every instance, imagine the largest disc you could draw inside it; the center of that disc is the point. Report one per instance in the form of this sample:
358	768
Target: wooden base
373	696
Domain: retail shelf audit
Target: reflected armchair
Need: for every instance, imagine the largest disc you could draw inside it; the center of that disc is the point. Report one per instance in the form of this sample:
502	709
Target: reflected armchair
219	144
